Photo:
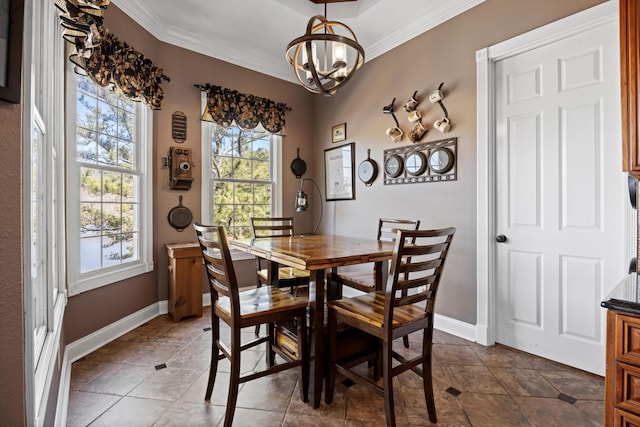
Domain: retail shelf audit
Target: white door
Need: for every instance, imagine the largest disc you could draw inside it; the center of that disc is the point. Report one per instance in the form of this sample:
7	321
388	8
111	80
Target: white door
560	196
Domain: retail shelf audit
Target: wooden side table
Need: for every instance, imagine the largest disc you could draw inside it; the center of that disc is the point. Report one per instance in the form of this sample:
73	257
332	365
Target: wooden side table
185	280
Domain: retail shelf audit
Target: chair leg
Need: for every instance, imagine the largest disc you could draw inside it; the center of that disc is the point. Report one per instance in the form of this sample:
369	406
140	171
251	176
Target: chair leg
387	361
427	379
332	334
270	355
234	380
303	354
215	352
405	341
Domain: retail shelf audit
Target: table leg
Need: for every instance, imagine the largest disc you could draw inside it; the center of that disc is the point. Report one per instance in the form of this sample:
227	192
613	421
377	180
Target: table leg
272	273
381	274
317	338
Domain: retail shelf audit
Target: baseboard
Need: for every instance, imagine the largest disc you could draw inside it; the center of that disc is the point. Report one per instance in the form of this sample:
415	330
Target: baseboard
455	327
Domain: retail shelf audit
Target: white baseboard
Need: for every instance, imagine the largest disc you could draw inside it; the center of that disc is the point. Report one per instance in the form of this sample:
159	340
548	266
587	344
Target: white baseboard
455	327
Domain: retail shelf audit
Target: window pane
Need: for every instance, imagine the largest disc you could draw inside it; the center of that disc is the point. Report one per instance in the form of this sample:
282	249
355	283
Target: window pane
90	185
242	169
107	150
86	146
87	111
126	155
107	118
260	171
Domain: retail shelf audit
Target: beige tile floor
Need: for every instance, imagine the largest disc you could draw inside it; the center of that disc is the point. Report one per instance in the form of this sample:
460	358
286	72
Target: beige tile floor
126	383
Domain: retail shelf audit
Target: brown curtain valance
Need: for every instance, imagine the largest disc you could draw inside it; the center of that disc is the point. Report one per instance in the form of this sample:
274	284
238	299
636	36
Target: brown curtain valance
226	106
105	59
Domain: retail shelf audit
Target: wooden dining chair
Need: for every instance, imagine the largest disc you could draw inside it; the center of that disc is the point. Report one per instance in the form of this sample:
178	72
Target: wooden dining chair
365	281
277	227
263	227
416	267
264	305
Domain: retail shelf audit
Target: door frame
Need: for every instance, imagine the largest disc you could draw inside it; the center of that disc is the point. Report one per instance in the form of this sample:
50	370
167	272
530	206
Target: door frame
486	58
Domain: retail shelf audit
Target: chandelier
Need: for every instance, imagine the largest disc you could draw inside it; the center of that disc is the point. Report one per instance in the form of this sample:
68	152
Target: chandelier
326	56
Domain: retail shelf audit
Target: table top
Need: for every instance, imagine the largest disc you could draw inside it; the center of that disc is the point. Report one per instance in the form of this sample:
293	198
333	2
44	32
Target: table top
317	251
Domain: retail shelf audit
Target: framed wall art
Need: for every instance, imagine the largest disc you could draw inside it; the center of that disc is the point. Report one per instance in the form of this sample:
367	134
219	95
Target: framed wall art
339	172
339	132
11	23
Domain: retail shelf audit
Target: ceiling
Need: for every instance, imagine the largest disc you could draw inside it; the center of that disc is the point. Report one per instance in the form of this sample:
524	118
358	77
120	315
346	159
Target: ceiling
254	33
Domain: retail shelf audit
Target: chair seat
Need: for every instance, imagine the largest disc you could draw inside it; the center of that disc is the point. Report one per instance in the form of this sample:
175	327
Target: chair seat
258	302
364	281
369	309
286	273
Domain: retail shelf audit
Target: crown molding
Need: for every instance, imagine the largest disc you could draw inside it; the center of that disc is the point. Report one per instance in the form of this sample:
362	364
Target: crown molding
414	28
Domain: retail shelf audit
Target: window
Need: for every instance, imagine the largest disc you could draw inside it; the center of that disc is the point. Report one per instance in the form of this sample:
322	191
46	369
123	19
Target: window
108	185
45	296
242	176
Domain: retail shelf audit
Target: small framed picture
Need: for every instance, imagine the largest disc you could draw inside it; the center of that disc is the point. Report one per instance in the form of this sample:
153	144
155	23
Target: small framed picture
339	132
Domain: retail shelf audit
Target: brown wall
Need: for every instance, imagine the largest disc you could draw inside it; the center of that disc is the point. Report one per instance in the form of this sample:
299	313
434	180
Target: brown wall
12	372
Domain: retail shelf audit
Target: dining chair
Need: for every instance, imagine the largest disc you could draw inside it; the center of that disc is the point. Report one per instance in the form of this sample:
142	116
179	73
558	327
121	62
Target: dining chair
264	305
262	227
365	281
416	267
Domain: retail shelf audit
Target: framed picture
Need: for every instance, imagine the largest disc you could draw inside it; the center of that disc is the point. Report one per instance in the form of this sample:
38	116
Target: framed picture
11	17
339	172
339	132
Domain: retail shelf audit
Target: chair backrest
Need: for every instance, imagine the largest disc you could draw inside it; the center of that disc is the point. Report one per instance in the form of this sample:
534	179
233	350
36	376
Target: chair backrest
271	227
416	268
388	228
218	263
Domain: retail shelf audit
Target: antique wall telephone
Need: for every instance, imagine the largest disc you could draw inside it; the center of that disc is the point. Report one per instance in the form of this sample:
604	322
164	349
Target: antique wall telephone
180	164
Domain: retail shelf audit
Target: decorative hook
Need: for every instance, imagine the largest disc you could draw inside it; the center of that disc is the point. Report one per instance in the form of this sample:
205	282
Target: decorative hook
388	109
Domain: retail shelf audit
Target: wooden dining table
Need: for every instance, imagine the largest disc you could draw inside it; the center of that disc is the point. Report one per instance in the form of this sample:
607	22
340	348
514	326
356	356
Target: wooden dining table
317	253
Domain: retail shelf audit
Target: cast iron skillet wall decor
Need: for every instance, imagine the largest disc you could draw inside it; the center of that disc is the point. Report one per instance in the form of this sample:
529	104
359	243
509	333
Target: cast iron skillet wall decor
298	166
179	216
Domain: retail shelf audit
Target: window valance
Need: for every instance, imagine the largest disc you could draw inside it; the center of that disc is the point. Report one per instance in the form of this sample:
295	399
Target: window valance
226	106
105	59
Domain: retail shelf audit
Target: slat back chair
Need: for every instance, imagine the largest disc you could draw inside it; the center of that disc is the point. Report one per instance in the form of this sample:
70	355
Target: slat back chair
265	305
365	281
406	306
262	227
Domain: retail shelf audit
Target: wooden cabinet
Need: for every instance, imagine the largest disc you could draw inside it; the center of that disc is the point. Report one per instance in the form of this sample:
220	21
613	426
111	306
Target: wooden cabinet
622	383
629	75
185	280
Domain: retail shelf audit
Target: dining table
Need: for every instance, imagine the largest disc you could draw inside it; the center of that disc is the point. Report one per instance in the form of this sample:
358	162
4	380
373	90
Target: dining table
318	253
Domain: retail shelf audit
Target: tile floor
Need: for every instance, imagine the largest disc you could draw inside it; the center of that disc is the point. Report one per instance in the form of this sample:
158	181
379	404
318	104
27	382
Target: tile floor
156	375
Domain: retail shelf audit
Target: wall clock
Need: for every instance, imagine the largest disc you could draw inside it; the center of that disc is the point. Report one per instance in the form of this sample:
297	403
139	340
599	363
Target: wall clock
415	163
368	170
393	166
441	160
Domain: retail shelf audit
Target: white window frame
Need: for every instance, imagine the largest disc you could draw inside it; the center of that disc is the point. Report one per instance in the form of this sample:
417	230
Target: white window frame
43	124
207	177
82	282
